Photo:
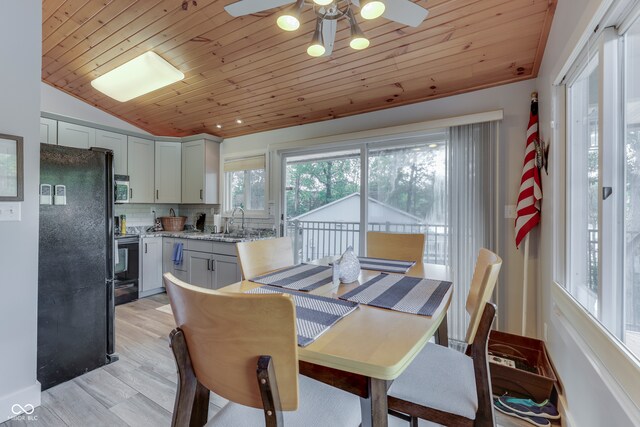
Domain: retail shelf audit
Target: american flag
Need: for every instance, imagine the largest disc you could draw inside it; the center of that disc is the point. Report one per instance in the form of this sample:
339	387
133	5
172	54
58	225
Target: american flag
530	195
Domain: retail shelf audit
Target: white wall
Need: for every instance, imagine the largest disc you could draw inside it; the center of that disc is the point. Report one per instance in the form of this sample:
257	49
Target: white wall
513	98
58	102
593	396
20	46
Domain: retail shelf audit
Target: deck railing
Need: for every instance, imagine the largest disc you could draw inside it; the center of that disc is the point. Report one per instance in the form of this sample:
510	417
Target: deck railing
317	239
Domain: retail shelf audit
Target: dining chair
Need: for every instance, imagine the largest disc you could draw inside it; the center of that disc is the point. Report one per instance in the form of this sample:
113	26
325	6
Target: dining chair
443	385
398	246
262	256
243	347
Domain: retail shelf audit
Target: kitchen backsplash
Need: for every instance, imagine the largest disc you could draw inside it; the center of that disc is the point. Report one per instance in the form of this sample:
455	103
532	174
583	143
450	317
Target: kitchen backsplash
140	215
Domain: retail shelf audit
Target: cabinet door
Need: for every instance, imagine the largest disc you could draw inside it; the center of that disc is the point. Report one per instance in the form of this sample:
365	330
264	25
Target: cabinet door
117	143
141	170
193	172
167	255
199	268
48	131
168	167
226	271
72	135
151	266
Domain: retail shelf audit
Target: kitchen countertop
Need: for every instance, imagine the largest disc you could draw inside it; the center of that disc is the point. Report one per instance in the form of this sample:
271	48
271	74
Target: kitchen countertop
198	235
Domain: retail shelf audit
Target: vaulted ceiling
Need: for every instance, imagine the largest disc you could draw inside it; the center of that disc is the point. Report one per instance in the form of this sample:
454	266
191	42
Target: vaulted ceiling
246	68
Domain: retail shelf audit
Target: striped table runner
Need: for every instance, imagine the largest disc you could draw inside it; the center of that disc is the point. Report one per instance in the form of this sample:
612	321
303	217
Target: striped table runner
314	314
401	293
381	264
302	277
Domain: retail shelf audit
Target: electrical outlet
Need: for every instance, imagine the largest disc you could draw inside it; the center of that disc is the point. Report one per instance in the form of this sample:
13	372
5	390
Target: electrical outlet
10	211
152	209
510	212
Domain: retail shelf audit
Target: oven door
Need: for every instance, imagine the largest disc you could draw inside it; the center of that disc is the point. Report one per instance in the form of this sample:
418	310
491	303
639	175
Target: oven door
126	269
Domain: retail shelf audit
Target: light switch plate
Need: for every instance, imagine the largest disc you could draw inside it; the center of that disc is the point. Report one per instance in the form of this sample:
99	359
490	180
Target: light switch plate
10	211
510	212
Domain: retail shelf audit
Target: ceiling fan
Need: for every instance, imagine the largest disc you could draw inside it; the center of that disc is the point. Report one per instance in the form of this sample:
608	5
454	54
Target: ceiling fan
328	12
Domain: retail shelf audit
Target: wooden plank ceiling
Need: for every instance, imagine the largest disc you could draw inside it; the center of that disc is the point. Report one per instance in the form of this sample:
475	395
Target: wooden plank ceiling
247	68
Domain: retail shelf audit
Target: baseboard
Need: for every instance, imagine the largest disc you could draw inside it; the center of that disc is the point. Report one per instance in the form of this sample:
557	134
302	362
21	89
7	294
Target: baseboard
24	397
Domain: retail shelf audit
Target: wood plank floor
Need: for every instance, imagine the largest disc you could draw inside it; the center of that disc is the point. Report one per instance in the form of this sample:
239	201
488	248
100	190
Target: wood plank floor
139	389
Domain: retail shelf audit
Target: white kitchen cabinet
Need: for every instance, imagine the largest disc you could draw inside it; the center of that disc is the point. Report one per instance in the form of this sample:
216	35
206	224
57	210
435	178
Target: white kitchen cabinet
48	131
117	143
210	270
141	159
77	136
200	171
151	280
168	172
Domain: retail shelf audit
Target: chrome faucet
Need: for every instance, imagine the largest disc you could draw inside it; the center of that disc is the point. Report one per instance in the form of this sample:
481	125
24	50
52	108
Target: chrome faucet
233	216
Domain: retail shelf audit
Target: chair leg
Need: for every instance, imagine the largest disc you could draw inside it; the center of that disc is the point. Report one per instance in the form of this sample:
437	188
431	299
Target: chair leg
442	334
191	407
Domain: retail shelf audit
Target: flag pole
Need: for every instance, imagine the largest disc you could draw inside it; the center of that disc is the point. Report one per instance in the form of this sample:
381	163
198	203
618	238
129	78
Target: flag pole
525	281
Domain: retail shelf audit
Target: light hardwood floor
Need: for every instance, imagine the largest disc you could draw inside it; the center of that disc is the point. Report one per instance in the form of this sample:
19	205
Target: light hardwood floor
139	389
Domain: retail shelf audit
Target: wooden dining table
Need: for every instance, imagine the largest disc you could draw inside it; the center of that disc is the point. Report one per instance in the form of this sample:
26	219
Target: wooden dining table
365	351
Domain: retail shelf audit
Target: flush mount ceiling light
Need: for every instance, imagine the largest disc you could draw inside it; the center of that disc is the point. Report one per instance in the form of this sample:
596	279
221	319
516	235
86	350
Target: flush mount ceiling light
141	75
219	126
239	121
329	12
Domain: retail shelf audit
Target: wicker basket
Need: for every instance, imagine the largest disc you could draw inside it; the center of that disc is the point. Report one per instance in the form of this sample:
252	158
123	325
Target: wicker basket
173	223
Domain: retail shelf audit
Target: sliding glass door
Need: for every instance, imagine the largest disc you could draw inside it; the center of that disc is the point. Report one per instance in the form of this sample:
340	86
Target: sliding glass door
407	192
322	203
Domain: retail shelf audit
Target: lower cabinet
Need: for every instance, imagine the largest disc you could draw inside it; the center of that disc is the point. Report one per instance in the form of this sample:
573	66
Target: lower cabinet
212	271
151	277
201	267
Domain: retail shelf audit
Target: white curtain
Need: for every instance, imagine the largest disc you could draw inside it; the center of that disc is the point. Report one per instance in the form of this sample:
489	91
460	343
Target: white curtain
470	209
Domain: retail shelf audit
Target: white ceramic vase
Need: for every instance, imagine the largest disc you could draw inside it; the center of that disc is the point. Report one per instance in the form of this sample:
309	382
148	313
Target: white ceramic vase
348	266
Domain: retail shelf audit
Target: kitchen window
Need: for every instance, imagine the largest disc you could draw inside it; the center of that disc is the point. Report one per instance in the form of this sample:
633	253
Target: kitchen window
603	182
246	184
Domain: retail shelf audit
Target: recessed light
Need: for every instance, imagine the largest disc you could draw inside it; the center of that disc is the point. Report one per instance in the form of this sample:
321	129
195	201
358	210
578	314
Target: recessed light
219	126
141	75
433	145
239	121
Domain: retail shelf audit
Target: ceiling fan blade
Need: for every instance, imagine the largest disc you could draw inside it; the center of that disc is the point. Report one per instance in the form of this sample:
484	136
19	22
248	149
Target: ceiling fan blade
329	27
405	12
247	7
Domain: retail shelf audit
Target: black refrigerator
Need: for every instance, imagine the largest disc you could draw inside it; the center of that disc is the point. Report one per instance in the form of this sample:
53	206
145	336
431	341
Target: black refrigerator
75	284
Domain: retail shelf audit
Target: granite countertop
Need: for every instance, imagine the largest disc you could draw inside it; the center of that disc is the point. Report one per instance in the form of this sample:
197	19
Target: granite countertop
199	235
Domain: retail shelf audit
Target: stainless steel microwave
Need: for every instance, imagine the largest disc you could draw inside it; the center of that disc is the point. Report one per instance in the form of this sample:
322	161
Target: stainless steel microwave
122	191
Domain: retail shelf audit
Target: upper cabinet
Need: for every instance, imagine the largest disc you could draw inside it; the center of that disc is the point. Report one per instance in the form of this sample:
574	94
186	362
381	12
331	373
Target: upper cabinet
77	136
48	131
168	172
200	171
117	143
141	156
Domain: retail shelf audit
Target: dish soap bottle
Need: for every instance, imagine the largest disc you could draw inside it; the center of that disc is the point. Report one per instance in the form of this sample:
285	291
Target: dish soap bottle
123	224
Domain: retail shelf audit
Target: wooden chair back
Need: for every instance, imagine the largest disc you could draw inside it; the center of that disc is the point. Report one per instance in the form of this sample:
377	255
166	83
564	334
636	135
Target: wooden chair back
398	246
262	256
226	333
478	351
485	276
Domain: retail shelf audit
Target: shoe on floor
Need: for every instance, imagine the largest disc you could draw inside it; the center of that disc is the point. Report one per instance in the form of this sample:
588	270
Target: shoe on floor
545	409
536	421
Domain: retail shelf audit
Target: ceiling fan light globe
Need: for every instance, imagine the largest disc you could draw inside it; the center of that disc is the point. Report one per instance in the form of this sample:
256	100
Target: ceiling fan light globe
359	43
372	9
323	2
316	50
288	22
